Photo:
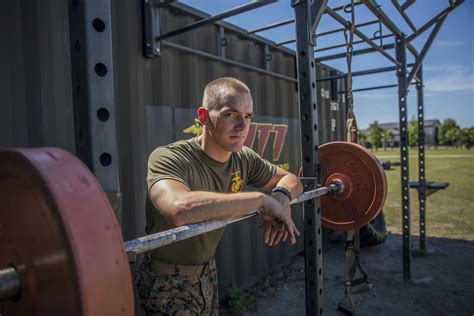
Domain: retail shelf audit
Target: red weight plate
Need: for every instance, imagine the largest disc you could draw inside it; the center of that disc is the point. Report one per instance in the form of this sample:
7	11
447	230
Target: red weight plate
58	230
365	185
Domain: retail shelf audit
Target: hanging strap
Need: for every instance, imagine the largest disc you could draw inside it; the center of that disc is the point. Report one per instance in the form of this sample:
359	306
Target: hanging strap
351	124
352	253
351	265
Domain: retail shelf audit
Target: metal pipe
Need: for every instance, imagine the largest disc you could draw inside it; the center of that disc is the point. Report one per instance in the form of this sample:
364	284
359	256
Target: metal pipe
286	42
344	6
354	53
387	22
146	243
10	286
425	49
353	43
341	20
220	16
407	4
428	24
404	15
228	61
342	29
375	88
271	26
289	21
372	88
362	73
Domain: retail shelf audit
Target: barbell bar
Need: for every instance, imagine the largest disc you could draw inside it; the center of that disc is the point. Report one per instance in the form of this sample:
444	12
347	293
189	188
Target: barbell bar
59	236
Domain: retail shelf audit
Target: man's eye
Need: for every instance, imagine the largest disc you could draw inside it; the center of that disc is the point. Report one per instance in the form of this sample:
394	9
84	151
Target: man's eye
249	117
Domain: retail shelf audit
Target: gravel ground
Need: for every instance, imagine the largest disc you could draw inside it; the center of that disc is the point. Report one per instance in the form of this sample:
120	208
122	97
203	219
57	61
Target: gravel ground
442	282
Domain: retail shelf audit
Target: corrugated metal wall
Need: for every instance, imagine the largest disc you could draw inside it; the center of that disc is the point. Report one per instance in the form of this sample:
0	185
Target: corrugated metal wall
155	100
35	76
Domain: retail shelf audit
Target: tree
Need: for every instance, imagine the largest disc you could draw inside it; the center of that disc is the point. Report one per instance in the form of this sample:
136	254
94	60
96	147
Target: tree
447	132
375	135
387	136
413	131
362	137
466	137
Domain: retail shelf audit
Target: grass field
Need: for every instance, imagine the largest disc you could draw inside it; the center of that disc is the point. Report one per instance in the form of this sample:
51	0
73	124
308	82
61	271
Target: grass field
449	212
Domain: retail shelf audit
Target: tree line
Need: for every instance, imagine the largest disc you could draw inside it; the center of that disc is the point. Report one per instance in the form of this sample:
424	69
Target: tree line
449	134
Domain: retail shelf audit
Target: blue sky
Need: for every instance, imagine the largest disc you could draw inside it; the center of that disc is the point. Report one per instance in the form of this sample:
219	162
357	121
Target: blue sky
448	68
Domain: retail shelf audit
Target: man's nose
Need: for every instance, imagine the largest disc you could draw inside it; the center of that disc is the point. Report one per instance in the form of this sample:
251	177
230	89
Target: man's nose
241	123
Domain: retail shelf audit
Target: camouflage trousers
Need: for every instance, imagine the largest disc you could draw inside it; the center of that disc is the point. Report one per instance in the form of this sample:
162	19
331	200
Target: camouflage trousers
176	294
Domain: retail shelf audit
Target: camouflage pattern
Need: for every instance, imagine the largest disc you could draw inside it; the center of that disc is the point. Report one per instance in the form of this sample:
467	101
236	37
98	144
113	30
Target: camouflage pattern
178	294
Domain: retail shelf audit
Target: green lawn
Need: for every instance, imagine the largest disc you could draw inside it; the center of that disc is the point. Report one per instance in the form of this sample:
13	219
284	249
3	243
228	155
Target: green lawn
449	212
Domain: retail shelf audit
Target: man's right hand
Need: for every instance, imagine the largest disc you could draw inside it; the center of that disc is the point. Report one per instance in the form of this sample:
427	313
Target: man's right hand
276	212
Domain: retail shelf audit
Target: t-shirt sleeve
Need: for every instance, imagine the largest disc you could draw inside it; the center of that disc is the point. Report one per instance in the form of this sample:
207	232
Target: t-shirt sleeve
164	164
260	170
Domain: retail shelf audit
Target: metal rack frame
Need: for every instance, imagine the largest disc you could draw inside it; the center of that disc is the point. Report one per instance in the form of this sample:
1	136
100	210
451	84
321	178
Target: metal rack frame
93	83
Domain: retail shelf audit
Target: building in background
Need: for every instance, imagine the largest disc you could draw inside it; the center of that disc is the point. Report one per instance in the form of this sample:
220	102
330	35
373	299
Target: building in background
431	132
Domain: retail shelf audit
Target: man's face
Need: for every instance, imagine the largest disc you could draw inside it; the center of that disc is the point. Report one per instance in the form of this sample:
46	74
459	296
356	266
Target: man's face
229	125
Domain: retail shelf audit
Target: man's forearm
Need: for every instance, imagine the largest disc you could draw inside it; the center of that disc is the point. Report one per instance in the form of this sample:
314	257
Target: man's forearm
292	184
198	206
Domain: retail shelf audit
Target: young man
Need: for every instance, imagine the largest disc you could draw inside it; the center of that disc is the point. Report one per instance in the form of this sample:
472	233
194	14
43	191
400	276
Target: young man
202	179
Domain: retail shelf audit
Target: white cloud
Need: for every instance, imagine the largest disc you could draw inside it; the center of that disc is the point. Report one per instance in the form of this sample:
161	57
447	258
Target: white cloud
374	95
450	43
450	78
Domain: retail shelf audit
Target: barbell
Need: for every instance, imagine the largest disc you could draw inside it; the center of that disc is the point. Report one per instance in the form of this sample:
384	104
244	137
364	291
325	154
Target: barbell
61	247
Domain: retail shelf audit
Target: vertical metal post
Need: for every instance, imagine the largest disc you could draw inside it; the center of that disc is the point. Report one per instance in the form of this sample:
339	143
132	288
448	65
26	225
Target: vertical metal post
421	159
93	92
402	104
310	141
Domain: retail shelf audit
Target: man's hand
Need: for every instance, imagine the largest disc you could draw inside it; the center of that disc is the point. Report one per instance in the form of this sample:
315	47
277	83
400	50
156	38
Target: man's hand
278	224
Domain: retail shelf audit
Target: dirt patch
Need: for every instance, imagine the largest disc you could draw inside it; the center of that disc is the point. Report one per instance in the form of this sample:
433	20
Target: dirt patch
442	282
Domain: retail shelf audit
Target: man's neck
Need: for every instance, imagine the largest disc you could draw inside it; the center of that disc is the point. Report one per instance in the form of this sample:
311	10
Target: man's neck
212	150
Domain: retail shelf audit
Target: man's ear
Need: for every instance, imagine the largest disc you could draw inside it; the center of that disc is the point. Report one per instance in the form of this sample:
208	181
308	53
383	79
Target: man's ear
202	115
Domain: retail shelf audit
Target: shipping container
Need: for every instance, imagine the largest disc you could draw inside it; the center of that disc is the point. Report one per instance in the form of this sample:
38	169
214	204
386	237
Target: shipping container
156	101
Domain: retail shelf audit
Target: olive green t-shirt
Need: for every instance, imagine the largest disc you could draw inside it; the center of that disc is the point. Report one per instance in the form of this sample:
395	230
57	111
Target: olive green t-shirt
186	162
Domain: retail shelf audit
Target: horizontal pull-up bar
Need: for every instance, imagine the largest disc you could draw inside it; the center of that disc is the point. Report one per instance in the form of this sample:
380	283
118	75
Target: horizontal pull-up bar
220	16
342	29
290	21
271	26
346	24
362	73
374	88
434	20
380	14
355	42
354	53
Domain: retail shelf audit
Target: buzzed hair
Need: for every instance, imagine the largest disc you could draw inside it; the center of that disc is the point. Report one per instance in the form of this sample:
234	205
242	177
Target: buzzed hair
220	92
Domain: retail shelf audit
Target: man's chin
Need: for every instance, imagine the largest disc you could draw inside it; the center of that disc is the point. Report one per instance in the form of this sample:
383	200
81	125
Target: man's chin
236	148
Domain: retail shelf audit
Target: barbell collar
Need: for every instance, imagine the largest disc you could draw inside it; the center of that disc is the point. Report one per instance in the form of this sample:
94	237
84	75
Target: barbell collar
10	286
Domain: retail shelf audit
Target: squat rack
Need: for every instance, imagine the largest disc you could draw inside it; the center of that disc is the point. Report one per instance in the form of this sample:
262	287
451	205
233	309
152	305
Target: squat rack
94	104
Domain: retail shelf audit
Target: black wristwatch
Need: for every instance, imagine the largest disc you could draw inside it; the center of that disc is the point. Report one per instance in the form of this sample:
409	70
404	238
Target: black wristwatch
284	191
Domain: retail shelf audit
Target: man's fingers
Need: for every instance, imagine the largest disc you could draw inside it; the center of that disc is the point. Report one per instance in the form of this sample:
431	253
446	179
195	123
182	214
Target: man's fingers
289	227
279	236
273	234
266	232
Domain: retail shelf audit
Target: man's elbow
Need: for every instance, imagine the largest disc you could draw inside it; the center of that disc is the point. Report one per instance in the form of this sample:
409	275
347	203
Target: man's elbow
178	216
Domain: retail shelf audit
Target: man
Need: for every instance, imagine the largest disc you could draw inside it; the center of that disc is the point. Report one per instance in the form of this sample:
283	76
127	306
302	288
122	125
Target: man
202	179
